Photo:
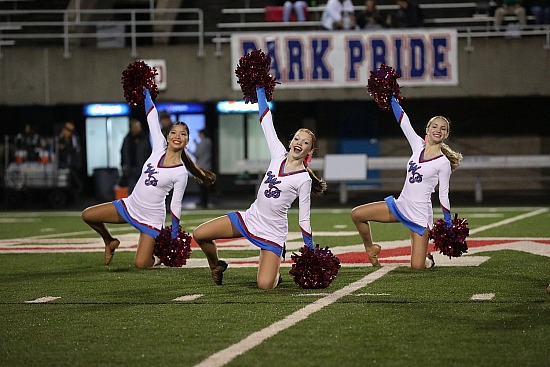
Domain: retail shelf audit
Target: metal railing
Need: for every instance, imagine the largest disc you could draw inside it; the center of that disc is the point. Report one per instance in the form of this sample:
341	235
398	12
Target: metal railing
73	26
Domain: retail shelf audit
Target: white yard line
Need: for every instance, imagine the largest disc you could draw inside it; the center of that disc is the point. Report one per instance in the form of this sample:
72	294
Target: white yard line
43	299
190	297
483	297
508	221
227	355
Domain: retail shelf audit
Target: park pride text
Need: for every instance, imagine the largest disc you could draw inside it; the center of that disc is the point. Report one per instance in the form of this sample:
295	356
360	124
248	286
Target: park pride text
344	59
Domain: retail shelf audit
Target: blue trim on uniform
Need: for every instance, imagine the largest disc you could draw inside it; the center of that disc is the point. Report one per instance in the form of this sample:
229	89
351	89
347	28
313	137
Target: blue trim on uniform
308	238
175	226
262	102
238	223
148	101
390	201
447	216
121	209
397	109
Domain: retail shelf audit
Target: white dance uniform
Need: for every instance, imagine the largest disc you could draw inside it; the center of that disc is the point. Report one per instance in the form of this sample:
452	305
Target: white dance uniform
414	205
265	223
145	208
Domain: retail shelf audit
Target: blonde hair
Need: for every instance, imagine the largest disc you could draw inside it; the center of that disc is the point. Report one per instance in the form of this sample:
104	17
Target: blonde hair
454	157
318	185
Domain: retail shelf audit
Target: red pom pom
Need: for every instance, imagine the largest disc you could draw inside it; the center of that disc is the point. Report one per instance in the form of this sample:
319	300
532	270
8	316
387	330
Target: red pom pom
382	85
172	252
139	75
451	241
315	268
252	72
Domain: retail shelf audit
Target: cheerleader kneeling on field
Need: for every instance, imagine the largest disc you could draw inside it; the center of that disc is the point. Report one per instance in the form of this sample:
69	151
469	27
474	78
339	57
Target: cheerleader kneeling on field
145	209
431	164
265	223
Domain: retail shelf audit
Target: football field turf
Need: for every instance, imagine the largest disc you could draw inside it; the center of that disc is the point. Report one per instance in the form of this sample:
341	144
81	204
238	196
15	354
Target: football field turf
61	306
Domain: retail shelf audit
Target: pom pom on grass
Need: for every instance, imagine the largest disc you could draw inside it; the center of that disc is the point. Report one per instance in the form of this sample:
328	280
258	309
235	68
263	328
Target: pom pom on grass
135	77
253	71
382	85
451	241
314	268
172	252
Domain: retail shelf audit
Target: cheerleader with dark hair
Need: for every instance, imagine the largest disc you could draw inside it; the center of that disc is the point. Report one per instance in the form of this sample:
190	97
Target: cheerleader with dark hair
166	168
430	165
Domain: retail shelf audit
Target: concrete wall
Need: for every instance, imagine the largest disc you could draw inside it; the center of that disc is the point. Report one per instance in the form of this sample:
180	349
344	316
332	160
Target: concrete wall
496	67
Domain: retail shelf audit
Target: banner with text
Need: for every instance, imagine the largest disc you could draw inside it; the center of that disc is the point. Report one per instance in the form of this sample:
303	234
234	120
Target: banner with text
345	59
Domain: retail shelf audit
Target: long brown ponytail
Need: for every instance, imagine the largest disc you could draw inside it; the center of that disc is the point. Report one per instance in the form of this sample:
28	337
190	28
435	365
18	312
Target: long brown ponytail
318	185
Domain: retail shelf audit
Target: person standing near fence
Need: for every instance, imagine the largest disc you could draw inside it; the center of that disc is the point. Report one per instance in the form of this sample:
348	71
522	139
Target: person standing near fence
165	122
135	150
431	164
265	223
166	169
69	154
203	157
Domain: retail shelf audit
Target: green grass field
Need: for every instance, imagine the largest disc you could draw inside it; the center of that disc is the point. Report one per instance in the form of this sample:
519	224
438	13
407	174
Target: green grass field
486	308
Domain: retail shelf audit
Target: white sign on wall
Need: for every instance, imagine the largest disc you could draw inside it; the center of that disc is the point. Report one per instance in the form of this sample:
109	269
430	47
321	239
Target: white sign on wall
345	167
161	78
344	59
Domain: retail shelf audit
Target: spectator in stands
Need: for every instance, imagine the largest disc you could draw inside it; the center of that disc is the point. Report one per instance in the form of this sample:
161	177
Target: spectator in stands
540	9
135	150
28	144
371	17
298	7
509	7
338	14
430	165
165	122
408	15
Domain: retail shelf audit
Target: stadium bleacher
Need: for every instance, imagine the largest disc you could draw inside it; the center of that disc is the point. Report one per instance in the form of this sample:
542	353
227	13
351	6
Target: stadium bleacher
33	23
436	14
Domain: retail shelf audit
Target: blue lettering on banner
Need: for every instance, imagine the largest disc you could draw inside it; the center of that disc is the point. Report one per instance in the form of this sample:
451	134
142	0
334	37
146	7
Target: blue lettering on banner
418	66
378	47
319	71
398	56
355	48
295	60
248	46
346	59
440	47
271	47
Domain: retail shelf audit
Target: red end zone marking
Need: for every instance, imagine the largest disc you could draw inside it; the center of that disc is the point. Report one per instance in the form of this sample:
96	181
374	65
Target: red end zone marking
385	255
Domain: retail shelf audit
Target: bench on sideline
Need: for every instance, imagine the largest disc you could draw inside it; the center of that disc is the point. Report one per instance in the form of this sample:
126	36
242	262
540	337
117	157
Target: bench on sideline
478	164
